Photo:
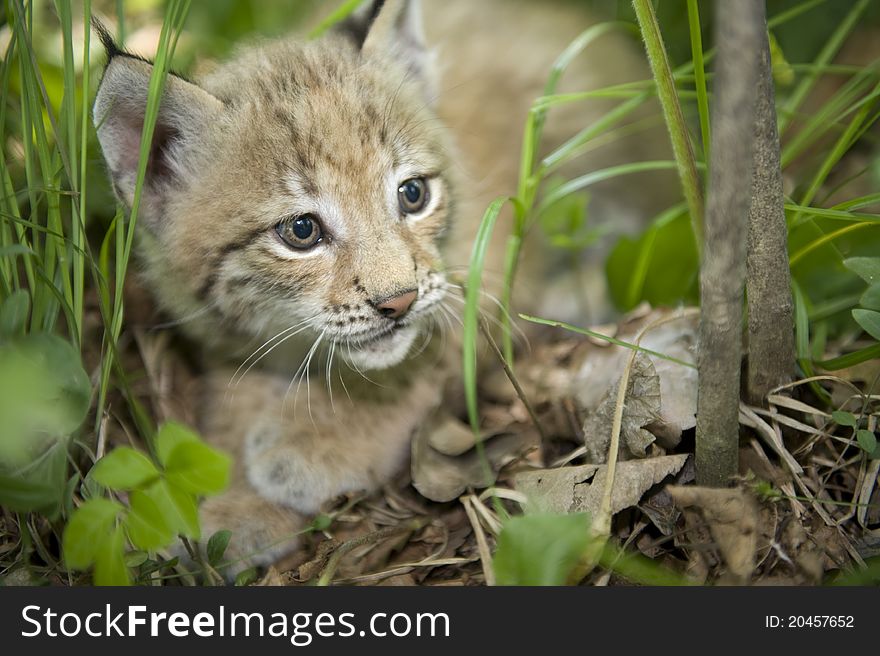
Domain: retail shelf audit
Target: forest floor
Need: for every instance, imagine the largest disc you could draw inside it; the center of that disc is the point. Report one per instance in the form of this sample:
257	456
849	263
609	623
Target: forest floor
805	509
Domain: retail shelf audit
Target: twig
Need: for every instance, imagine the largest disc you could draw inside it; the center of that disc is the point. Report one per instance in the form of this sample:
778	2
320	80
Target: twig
482	544
513	381
196	555
370	538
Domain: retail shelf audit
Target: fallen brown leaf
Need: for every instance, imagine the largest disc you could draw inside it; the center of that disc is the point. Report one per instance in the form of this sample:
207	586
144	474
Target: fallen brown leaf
642	409
580	489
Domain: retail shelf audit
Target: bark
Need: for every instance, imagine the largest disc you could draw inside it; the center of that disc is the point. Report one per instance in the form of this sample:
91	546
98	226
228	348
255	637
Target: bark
768	285
723	269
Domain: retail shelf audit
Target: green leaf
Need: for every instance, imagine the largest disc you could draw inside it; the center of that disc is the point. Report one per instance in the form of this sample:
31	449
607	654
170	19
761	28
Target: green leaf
25	495
217	546
14	313
136	558
540	549
146	525
124	469
866	268
869	320
44	397
91	488
321	522
867	440
661	266
843	418
110	566
197	468
39	485
86	531
177	506
871	298
170	435
246	577
783	73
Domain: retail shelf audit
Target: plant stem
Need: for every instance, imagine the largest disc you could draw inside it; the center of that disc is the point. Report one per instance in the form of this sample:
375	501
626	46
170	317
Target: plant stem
770	307
723	263
681	143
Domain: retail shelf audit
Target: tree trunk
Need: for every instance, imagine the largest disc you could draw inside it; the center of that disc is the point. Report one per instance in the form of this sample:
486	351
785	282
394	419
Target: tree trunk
771	327
723	269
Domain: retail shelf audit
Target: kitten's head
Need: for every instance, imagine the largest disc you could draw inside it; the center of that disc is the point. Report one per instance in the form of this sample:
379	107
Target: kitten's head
303	187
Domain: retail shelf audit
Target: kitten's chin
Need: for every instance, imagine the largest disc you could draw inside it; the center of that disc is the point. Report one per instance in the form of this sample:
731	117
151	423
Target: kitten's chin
383	352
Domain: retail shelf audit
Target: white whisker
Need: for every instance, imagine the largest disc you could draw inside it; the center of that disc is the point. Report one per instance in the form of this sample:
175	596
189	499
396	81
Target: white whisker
329	377
301	372
253	359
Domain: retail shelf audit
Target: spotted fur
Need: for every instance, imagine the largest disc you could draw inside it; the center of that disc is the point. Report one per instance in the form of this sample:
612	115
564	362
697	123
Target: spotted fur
331	127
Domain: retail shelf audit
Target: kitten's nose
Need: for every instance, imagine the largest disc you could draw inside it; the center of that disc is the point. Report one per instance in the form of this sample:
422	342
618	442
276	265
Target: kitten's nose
395	307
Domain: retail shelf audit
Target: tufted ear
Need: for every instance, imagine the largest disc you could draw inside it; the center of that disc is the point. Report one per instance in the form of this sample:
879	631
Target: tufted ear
185	113
395	28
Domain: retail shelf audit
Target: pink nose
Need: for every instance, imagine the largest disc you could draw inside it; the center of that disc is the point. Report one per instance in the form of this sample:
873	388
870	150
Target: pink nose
397	306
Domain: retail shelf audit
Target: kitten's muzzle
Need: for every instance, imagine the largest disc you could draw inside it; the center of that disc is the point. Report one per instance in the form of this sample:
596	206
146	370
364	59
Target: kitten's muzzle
396	307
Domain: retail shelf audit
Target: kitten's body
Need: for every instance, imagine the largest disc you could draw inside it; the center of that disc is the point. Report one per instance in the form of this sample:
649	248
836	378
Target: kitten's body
332	129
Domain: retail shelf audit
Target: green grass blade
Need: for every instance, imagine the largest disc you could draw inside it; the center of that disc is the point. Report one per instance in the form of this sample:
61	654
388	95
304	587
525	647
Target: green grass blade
339	14
567	150
851	359
606	338
824	57
700	73
804	213
471	315
601	175
825	239
175	17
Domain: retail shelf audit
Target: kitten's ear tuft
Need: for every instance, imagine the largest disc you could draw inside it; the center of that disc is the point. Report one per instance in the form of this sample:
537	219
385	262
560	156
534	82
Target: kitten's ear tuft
396	28
185	113
107	39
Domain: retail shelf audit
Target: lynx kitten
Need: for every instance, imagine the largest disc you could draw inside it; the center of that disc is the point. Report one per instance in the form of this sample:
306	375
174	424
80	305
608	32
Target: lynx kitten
310	199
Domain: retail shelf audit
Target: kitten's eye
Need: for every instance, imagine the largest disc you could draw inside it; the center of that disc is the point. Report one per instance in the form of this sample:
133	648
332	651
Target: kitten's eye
412	195
300	232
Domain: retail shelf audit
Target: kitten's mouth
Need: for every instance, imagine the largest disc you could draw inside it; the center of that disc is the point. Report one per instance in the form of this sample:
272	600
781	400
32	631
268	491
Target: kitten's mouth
380	350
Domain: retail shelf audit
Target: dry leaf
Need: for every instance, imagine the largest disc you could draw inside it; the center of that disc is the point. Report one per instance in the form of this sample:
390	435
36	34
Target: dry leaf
642	408
552	490
451	437
442	477
580	489
599	368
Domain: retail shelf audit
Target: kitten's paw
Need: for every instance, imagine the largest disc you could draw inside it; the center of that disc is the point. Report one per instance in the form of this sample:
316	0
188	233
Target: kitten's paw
284	476
262	532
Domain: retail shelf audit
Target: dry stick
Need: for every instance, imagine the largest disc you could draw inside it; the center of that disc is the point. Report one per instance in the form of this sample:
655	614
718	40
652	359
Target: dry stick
601	523
513	381
770	307
723	268
370	538
195	554
602	520
482	543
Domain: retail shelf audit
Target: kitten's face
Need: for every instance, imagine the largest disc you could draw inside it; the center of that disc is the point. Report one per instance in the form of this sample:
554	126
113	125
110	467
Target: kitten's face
311	205
339	201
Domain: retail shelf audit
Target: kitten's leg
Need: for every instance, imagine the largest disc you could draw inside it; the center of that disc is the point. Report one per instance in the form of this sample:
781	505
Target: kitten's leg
299	474
262	531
